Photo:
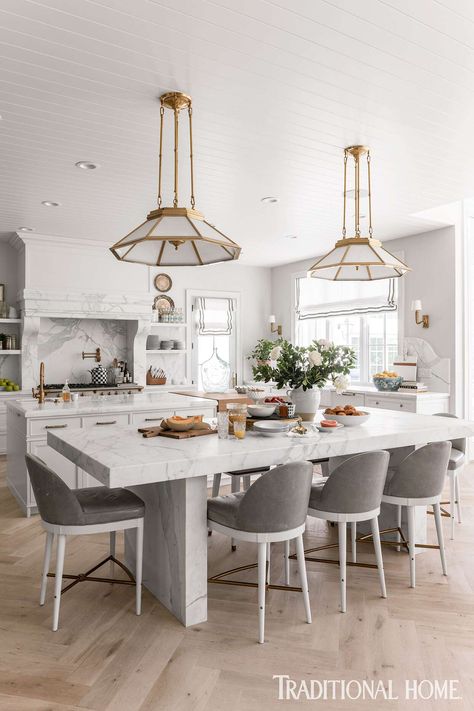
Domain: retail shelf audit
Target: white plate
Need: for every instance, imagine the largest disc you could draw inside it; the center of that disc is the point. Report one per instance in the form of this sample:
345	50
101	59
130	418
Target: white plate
329	429
270	427
350	420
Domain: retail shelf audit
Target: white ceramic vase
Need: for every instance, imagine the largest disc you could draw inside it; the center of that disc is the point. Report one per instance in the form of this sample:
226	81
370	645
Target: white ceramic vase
306	402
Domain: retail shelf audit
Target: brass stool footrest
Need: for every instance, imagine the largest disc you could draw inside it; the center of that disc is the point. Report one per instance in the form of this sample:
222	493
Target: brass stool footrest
444	512
403	542
335	561
82	577
218	579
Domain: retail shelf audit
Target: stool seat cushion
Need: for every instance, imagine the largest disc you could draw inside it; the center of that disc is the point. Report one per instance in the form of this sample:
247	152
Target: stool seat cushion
390	474
224	509
456	459
102	505
316	493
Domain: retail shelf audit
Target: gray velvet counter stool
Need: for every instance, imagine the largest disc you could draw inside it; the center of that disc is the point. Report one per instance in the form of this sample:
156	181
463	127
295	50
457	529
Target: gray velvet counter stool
456	464
418	481
273	509
353	492
66	512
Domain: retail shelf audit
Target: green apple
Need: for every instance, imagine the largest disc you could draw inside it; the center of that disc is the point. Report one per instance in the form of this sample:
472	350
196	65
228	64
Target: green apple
16	387
9	388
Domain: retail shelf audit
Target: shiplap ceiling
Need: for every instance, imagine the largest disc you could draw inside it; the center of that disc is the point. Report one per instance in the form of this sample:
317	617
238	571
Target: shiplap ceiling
279	88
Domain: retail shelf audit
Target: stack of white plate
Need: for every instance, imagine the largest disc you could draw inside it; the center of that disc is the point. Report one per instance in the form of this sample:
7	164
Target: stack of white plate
271	427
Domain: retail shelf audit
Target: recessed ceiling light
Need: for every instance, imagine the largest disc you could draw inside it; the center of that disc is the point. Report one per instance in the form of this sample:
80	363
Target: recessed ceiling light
291	236
49	203
270	199
86	165
26	229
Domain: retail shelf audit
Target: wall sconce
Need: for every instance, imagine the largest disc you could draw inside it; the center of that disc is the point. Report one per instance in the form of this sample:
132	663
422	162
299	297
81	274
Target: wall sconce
425	319
273	328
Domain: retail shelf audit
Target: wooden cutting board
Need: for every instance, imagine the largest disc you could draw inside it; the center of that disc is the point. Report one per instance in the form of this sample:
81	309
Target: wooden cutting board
158	432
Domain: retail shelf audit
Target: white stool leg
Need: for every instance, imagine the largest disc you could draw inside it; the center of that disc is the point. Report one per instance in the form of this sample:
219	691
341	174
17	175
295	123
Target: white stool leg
47	559
457	493
216	485
411	543
234	487
303	577
378	554
287	562
452	499
439	532
58	579
399	525
353	541
269	552
342	530
246	481
139	568
262	564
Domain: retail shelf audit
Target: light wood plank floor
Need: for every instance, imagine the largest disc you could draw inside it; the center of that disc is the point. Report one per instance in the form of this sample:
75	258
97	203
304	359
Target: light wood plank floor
104	658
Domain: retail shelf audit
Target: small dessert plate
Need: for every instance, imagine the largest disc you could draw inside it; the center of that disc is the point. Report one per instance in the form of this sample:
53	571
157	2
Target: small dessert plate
328	429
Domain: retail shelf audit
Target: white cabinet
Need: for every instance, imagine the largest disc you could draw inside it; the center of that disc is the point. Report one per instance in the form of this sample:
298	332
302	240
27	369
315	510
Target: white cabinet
391	403
121	418
347	398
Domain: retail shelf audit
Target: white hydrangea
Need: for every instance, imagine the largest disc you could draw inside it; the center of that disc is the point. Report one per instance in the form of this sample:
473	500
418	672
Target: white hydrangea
275	353
324	343
341	383
315	358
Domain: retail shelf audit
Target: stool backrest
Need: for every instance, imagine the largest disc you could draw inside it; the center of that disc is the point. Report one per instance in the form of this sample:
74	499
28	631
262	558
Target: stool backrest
421	474
356	485
278	500
460	443
55	500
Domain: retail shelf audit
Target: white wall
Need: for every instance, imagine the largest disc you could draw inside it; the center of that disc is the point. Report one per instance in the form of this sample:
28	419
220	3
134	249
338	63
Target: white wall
66	265
9	271
431	255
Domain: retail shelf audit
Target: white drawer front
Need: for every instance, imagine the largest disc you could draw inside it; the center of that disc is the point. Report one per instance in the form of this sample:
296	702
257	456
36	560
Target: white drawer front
150	419
348	398
119	418
390	403
42	426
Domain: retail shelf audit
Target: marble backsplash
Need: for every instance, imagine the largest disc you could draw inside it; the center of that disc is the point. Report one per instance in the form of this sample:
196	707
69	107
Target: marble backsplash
62	340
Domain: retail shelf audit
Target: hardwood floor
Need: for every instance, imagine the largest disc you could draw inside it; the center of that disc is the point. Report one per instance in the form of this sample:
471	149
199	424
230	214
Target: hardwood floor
104	658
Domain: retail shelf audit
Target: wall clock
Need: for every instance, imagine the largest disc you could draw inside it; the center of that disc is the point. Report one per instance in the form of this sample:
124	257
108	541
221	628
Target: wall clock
163	282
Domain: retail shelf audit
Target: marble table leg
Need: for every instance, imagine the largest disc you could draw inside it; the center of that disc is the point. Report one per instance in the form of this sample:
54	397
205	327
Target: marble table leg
175	546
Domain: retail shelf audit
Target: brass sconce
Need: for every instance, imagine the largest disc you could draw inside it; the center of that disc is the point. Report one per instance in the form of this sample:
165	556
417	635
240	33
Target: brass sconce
273	327
425	319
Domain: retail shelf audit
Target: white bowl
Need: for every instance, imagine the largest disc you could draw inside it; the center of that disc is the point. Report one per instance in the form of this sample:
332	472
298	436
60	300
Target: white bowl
350	420
270	428
261	410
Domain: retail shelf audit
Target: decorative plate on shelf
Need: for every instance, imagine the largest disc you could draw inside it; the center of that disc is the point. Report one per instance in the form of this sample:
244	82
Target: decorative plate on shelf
165	303
163	282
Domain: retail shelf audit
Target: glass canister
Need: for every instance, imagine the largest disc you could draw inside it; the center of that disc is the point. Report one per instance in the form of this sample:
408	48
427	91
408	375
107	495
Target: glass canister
237	413
215	374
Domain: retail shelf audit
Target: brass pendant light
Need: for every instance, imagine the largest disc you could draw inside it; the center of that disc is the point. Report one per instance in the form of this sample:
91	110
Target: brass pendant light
358	258
176	236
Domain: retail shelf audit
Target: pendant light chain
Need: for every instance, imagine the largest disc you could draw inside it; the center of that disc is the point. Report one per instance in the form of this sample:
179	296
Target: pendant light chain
357	187
176	131
190	114
160	158
370	194
345	195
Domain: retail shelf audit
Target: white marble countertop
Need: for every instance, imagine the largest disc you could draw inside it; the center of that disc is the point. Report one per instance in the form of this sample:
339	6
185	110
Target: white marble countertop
113	403
122	457
371	390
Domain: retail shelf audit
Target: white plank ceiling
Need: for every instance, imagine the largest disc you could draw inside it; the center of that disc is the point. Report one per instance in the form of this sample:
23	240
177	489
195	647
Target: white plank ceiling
279	87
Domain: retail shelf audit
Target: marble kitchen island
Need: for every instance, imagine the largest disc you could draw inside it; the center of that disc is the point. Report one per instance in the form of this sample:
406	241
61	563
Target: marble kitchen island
171	477
28	424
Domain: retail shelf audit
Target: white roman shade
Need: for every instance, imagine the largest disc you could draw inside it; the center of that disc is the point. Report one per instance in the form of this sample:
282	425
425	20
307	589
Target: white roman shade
214	317
322	299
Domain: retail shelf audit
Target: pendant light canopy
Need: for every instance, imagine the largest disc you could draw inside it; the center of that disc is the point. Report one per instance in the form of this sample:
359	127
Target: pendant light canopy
176	236
357	258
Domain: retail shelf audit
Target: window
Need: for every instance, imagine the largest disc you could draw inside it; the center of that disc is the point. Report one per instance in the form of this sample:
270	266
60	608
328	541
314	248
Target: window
214	329
366	319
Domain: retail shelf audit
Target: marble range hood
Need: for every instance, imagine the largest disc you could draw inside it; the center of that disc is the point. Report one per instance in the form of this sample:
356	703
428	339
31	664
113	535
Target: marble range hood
36	304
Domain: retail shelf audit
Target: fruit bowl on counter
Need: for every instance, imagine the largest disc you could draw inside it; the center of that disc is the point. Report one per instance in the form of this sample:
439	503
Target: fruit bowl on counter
387	381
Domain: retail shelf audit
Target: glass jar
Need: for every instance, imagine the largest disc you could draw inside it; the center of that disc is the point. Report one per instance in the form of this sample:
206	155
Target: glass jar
237	413
215	373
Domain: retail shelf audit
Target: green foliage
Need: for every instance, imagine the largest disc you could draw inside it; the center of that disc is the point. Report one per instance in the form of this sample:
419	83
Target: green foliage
306	367
263	349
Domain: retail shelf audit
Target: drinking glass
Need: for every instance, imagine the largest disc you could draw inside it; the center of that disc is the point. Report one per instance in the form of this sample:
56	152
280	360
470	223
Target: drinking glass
240	429
222	425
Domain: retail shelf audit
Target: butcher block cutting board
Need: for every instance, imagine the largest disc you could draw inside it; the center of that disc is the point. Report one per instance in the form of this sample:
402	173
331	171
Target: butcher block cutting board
158	432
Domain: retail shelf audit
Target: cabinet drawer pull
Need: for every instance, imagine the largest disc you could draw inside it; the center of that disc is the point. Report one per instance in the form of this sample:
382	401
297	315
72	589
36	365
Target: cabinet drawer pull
110	422
377	402
401	404
54	427
152	419
348	394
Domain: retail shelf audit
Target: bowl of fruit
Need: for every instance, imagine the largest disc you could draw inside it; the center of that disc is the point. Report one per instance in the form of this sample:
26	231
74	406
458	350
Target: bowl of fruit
349	416
8	385
387	381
